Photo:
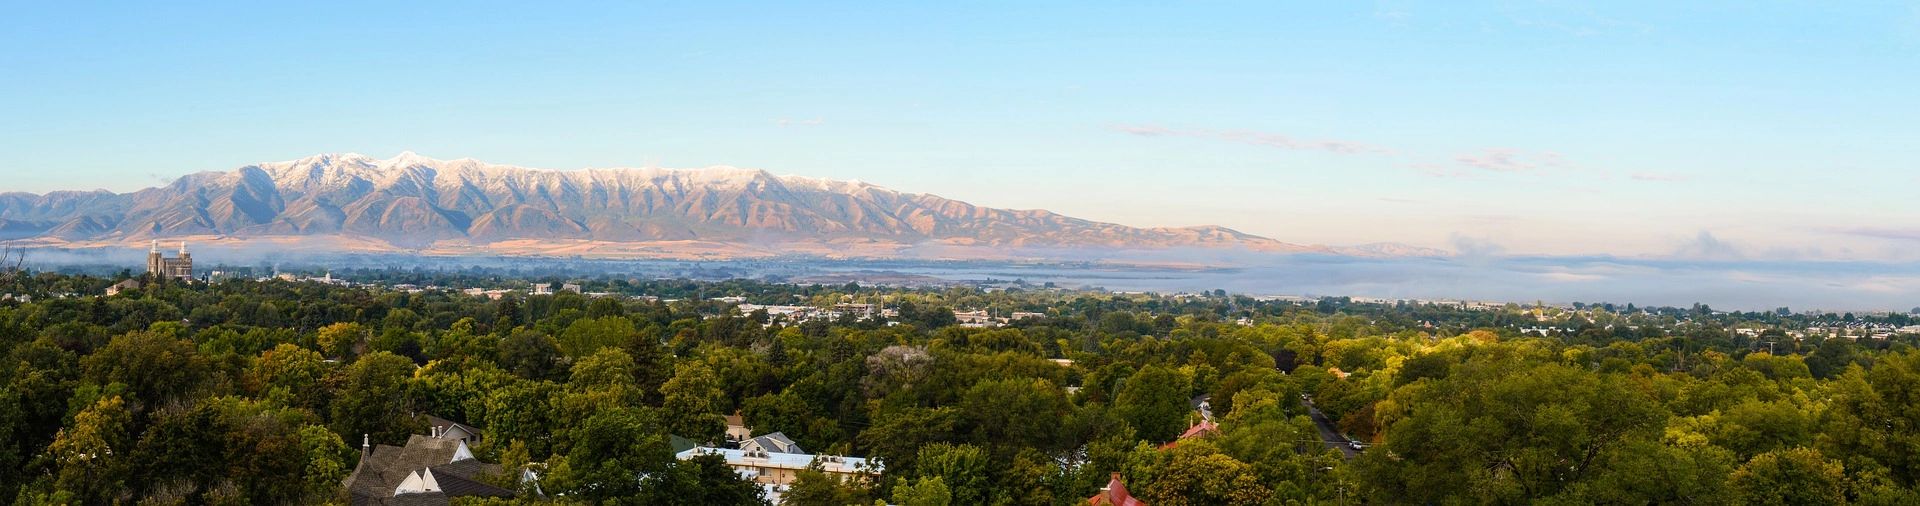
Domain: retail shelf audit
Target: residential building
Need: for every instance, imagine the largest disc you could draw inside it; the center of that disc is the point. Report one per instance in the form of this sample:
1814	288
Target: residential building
449	429
777	442
777	471
429	470
127	285
1114	494
737	430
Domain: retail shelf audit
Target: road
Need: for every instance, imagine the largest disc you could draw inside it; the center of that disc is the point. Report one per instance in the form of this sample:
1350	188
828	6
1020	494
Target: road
1328	434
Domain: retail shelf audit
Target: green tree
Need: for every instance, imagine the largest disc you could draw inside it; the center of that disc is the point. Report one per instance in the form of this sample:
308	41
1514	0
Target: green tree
1791	476
290	375
1501	430
692	403
90	456
964	468
371	398
339	340
926	491
1154	400
1014	413
155	367
611	451
813	487
702	480
1197	476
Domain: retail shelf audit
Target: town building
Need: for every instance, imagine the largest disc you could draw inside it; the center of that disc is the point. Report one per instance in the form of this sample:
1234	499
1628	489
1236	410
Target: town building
775	472
1114	494
429	470
777	442
449	429
737	430
126	285
161	267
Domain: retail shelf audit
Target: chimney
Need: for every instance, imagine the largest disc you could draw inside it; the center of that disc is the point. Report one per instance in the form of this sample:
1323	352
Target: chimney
366	446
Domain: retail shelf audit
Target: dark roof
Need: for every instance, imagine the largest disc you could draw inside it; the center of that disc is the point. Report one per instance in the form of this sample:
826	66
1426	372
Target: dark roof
456	484
777	442
443	424
379	473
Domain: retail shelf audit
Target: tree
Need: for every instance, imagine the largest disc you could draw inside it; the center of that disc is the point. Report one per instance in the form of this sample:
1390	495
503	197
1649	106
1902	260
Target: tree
91	455
155	367
1195	475
13	427
610	451
371	398
701	480
927	491
586	336
290	375
962	467
813	487
530	354
1791	476
1500	429
326	460
692	401
1014	413
1154	401
339	340
523	411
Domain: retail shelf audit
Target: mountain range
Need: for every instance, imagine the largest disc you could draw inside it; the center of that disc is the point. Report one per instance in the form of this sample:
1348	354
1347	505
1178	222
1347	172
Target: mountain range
414	203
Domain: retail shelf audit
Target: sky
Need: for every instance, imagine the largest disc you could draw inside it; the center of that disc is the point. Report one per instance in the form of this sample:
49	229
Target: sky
1754	130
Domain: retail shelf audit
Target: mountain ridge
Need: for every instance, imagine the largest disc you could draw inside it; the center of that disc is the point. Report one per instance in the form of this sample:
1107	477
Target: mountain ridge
413	202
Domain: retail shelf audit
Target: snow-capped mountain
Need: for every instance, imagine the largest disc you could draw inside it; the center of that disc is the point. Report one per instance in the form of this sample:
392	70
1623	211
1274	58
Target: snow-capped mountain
411	201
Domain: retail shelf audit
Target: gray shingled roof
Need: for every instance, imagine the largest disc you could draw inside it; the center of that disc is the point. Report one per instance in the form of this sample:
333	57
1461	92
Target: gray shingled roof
373	481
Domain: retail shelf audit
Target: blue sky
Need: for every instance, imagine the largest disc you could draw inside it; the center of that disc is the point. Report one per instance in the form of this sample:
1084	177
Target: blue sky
1709	130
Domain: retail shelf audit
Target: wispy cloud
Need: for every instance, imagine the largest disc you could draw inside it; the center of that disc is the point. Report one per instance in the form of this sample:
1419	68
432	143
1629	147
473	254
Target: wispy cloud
789	122
1256	138
1510	160
1705	246
1897	234
1659	178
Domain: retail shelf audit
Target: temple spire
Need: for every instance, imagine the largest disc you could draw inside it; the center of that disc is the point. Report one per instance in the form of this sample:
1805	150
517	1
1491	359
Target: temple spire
183	247
155	248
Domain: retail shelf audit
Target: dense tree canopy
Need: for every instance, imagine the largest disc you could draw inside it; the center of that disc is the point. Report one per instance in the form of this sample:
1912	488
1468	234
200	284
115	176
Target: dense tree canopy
259	392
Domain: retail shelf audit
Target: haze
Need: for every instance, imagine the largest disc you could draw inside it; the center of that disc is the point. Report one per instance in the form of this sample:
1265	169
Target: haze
1778	131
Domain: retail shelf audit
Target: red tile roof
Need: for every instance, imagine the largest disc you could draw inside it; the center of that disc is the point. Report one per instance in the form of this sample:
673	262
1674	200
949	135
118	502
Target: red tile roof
1115	494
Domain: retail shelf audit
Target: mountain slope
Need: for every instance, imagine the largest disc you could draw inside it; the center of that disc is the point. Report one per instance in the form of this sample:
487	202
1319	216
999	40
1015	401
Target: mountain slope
411	201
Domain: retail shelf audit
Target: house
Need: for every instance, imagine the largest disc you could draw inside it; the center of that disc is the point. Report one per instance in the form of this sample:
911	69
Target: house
976	319
429	470
127	285
1205	428
737	430
571	287
777	442
543	288
444	428
776	471
1114	494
